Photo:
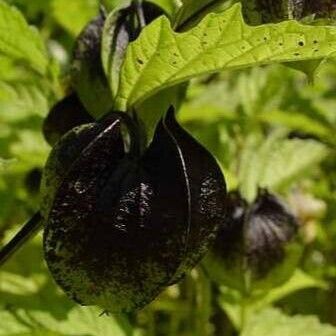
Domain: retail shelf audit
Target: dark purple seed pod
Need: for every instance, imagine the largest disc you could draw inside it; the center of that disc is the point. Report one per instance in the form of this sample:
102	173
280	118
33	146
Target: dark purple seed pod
266	11
122	224
63	116
325	9
112	32
87	73
32	180
121	28
255	239
269	227
297	8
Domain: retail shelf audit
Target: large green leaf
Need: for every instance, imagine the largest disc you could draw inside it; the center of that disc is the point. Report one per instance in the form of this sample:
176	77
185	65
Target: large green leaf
299	281
272	322
160	58
23	93
79	322
234	303
21	100
21	42
25	98
74	15
3	163
299	121
276	162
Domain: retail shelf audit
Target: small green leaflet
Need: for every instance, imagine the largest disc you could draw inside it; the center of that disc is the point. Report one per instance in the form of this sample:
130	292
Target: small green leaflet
21	42
4	163
276	162
232	303
74	15
22	100
299	281
161	58
272	322
80	321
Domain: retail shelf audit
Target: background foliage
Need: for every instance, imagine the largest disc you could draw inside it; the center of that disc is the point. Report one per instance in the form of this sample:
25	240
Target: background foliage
267	126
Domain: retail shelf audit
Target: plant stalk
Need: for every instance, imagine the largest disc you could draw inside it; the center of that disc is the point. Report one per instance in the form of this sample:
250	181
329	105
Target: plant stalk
27	232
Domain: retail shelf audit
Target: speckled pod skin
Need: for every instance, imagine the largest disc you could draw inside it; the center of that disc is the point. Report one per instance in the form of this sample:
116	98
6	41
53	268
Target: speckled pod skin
120	227
257	233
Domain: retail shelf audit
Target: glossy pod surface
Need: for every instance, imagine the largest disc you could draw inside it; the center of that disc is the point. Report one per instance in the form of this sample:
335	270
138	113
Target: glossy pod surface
120	226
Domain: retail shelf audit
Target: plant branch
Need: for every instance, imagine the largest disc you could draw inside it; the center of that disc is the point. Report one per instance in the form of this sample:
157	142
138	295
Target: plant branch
27	231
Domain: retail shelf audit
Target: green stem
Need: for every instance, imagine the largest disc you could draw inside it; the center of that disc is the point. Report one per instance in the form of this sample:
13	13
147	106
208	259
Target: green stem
245	300
242	314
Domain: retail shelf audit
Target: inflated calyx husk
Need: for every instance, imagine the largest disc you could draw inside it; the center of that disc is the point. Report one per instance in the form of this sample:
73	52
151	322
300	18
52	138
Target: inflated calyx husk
123	222
257	245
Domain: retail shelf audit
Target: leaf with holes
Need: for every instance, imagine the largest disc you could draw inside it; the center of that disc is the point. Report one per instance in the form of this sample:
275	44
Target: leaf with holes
161	58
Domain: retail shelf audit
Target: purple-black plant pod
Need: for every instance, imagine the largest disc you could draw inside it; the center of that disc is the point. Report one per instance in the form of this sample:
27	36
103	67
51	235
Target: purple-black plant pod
123	225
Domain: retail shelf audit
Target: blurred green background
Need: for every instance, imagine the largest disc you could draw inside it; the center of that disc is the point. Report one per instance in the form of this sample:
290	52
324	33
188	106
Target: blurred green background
267	127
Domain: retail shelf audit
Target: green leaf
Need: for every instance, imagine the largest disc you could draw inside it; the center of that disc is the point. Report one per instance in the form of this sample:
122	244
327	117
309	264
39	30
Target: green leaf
235	303
79	322
191	9
21	42
4	163
298	121
151	110
272	322
161	58
25	98
40	332
23	93
87	320
289	160
299	281
310	68
74	15
32	305
169	6
276	162
20	100
31	9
